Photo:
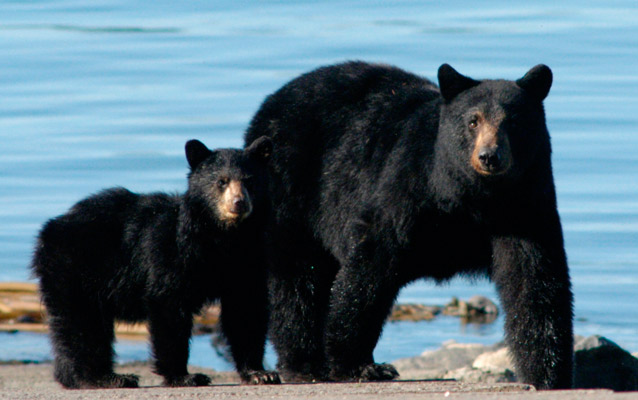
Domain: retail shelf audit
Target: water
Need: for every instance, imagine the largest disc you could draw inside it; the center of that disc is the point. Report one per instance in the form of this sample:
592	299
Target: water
102	93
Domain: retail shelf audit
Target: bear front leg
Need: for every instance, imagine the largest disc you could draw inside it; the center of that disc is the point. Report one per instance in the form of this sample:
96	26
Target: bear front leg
300	276
533	282
170	331
244	322
362	297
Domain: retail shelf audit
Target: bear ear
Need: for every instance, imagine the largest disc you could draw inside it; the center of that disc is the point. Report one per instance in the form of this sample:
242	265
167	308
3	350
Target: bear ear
260	147
196	152
452	83
537	81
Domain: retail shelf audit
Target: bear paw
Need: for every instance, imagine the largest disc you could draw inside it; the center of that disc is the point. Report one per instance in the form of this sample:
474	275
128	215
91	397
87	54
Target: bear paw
115	381
378	372
261	377
188	380
368	372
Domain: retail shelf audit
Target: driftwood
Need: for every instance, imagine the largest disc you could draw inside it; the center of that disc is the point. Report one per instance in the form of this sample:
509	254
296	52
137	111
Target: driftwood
22	310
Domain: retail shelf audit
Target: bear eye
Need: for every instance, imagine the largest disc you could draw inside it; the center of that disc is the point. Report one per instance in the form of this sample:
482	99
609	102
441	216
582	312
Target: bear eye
222	182
473	124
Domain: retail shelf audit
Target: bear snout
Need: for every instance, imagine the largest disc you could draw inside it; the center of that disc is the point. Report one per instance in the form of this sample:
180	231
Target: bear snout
238	206
491	154
235	203
490	159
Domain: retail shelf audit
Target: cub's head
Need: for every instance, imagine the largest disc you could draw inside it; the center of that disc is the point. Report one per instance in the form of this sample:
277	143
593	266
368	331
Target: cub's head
228	182
496	127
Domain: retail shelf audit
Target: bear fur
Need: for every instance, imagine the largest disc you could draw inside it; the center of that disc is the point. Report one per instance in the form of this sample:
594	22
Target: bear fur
159	258
381	178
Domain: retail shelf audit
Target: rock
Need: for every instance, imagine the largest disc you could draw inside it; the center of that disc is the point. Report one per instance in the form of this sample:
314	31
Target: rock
489	367
497	362
601	363
473	375
414	312
436	363
482	305
478	309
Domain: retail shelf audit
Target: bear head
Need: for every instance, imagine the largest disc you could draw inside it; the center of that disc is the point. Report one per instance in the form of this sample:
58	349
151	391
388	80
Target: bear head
494	128
227	182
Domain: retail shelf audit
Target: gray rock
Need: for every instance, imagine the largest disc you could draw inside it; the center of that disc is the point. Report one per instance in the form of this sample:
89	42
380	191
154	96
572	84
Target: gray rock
492	366
496	362
436	363
473	375
601	363
482	304
478	309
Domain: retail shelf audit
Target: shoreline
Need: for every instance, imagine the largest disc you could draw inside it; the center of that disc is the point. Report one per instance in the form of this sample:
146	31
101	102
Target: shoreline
599	362
21	310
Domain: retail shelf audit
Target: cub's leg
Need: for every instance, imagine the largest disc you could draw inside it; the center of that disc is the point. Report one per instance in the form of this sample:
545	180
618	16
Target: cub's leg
170	329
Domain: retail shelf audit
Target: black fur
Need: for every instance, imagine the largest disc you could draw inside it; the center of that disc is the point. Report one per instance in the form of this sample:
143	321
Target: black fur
118	255
381	178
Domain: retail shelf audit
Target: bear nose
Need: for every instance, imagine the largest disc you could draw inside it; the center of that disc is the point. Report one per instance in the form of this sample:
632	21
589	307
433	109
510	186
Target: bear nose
239	205
490	159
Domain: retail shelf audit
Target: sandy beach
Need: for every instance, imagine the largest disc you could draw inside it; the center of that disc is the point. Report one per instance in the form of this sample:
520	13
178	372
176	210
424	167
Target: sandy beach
35	381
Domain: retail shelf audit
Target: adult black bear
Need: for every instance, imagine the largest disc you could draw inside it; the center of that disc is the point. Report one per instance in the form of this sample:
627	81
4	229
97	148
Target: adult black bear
381	178
119	255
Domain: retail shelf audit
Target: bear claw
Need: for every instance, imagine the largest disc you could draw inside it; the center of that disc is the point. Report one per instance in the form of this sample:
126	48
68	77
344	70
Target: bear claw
261	378
378	372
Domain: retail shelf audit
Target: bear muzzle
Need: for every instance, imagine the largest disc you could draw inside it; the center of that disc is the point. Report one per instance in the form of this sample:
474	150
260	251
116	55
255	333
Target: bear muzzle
235	204
238	206
492	154
491	161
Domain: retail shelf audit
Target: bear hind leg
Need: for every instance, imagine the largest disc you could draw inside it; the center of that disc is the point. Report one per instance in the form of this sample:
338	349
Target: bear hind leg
83	350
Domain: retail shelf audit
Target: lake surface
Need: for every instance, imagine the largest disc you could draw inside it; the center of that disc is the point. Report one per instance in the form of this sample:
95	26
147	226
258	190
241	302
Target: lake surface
103	93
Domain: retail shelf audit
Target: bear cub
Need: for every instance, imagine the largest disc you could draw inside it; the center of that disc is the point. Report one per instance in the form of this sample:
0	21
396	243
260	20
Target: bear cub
123	256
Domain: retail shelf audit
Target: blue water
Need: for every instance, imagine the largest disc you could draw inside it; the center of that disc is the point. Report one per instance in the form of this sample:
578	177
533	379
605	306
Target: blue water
102	93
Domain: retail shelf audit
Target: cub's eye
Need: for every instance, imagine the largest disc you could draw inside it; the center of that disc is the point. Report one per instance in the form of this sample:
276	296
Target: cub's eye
222	182
473	124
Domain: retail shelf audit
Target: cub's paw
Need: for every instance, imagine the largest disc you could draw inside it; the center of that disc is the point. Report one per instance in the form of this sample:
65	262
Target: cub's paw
115	381
378	372
260	377
188	380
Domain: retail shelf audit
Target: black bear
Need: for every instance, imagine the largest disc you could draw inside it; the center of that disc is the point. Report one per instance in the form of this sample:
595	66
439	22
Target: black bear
119	255
381	178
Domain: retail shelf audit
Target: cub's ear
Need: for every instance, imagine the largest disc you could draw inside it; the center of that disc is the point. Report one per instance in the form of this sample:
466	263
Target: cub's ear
196	152
261	148
537	81
452	83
